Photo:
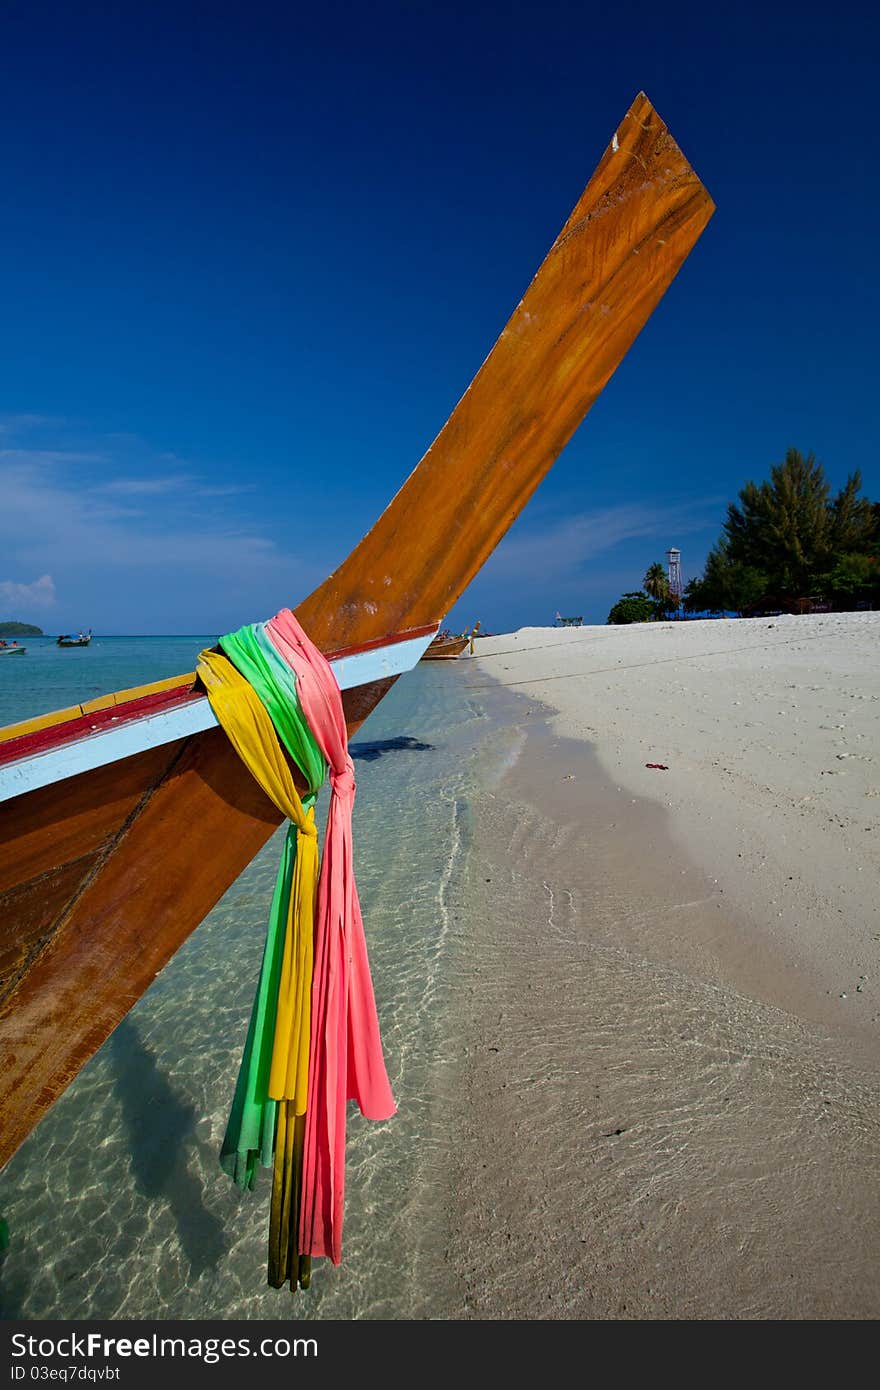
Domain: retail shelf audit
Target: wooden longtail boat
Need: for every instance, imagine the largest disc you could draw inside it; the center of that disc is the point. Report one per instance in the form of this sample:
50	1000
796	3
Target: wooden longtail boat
82	639
446	647
111	813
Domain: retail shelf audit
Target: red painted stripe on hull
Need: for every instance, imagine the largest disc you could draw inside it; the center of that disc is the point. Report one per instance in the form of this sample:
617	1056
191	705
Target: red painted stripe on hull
72	729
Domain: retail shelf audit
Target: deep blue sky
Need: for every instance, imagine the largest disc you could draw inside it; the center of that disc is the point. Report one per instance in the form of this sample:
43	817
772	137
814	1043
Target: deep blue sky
251	259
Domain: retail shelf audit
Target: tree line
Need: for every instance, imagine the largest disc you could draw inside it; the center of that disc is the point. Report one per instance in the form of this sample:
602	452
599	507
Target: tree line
786	543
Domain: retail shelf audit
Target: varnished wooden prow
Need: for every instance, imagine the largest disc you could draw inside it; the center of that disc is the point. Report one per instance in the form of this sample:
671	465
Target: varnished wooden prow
101	880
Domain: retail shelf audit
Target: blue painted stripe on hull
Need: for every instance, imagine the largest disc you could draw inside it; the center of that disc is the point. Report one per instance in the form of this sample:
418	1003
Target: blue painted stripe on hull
153	730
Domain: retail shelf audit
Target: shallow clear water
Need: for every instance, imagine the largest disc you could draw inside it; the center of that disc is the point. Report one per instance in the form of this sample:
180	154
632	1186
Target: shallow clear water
116	1204
50	677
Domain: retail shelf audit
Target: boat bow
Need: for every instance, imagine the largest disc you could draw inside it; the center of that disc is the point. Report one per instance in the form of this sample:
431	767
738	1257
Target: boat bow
104	874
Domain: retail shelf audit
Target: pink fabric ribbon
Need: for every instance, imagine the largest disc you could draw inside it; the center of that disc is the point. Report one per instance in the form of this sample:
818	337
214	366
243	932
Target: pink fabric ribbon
345	1056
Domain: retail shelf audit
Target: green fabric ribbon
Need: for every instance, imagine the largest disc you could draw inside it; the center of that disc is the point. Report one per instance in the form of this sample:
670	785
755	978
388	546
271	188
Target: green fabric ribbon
250	1132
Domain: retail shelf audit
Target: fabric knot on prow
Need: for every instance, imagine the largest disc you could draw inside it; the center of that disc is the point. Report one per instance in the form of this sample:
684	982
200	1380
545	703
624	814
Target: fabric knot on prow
310	1048
342	780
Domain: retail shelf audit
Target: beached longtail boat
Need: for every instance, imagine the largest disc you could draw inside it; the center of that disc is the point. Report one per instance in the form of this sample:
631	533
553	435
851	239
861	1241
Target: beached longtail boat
447	646
124	820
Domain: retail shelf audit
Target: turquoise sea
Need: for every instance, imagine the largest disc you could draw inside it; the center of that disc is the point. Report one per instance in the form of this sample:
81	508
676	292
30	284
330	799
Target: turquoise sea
50	677
116	1204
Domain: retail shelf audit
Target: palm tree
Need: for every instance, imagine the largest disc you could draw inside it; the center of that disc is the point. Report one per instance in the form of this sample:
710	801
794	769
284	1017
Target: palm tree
656	584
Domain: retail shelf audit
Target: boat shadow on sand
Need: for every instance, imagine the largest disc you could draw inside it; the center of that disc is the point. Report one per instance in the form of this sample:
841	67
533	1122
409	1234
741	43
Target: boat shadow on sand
162	1142
369	752
161	1128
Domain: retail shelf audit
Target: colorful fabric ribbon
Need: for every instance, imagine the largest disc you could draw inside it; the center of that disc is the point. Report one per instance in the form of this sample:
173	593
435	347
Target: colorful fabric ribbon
274	1065
313	1038
346	1050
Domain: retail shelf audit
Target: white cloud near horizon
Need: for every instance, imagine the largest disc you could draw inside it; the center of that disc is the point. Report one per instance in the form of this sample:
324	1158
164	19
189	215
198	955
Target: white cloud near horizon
76	524
39	594
138	550
29	458
174	482
146	487
562	547
24	422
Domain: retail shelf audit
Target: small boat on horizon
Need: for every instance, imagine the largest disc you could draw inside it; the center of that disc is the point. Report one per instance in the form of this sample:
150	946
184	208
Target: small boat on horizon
81	639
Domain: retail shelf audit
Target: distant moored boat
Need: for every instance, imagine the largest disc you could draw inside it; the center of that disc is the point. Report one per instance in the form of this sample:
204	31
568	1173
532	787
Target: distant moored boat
82	639
446	646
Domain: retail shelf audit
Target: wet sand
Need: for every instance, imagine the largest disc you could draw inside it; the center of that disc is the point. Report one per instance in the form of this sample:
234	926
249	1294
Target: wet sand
665	1107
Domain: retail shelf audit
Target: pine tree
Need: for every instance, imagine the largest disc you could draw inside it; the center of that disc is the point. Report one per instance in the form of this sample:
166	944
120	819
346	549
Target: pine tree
726	586
788	530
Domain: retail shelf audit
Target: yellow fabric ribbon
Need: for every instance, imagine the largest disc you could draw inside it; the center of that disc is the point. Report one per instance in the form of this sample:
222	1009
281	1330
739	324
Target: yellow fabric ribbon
250	730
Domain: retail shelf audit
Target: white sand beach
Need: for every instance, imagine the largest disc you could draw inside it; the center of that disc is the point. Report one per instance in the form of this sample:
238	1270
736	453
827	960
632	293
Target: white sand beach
672	1016
770	730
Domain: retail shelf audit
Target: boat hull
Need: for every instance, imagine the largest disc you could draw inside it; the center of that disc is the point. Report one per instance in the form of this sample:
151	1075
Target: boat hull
103	878
99	887
446	651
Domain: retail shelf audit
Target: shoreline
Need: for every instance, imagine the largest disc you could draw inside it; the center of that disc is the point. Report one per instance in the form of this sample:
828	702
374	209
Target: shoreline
768	730
616	1099
662	1112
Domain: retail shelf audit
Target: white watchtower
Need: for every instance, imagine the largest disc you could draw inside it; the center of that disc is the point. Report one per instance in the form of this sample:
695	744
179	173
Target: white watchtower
673	558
